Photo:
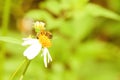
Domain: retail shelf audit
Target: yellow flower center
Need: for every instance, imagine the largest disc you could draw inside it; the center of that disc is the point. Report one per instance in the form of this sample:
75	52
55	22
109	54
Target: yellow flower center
44	40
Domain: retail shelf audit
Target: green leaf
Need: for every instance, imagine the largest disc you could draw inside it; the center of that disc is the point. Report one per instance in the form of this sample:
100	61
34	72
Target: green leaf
55	7
79	4
98	11
38	15
10	40
83	25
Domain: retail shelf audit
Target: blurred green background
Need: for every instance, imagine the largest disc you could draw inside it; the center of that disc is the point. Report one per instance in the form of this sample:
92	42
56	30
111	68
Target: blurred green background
85	44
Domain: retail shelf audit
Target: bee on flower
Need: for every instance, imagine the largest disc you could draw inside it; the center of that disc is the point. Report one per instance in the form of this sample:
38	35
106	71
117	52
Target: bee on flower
41	43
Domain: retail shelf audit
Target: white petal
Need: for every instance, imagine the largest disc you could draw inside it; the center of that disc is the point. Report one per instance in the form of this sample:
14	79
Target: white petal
33	50
29	41
47	57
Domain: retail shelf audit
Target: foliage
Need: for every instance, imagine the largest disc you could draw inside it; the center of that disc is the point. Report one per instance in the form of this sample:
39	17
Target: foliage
85	44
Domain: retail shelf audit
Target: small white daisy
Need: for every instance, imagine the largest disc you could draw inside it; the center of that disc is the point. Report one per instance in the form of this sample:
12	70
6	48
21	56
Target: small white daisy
38	45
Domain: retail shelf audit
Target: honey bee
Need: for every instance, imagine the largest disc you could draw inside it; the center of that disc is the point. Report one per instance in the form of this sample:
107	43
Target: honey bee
46	33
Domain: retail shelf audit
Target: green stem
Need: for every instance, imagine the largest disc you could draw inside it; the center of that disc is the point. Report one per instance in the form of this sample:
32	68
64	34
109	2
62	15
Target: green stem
5	21
24	71
6	16
24	65
17	70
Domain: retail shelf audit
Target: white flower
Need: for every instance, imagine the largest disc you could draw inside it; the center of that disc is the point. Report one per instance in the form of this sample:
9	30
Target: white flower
34	48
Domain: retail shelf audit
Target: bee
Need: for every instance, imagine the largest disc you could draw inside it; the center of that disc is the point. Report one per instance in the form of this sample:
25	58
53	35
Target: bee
46	33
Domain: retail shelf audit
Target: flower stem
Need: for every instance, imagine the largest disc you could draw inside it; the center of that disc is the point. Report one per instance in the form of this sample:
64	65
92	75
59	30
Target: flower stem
6	16
4	30
25	69
22	66
17	70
